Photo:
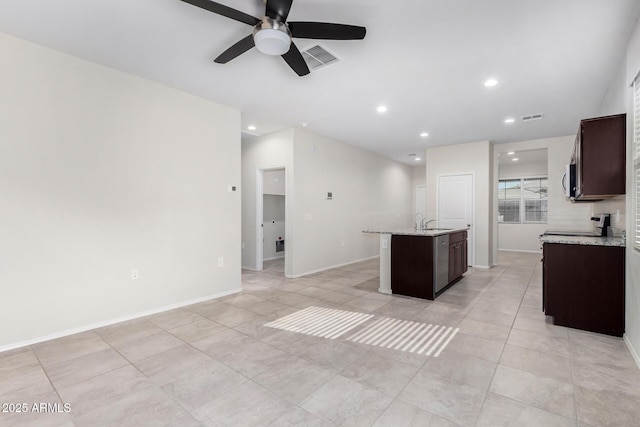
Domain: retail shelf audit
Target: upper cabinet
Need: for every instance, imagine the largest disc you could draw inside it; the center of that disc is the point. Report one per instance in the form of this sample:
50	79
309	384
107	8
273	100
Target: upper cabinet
600	157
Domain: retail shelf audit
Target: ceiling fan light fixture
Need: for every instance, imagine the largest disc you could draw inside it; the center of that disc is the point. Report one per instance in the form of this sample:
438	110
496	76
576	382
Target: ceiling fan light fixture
272	37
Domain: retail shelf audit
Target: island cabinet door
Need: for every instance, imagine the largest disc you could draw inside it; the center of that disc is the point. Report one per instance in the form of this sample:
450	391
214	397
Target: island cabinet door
412	266
452	262
457	255
465	261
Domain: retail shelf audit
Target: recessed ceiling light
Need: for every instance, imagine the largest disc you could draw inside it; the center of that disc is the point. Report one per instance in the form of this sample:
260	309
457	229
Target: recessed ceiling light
490	83
251	127
305	124
424	134
509	120
511	153
515	159
381	109
418	159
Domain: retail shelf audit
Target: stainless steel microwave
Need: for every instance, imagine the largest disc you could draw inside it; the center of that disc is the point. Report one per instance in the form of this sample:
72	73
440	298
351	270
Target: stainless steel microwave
569	181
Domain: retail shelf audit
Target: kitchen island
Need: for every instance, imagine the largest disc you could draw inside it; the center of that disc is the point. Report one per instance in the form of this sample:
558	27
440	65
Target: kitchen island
421	263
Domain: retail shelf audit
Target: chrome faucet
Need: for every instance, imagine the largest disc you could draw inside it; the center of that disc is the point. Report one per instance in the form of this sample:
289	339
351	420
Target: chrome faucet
415	227
423	225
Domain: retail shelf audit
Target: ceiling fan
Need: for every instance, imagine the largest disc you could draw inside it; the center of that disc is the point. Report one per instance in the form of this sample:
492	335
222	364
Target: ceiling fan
272	33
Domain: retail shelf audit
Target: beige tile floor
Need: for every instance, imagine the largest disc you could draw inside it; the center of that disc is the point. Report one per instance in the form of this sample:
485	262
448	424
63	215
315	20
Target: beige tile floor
216	364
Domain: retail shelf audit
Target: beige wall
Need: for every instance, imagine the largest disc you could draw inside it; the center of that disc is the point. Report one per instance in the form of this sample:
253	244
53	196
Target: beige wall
101	173
474	158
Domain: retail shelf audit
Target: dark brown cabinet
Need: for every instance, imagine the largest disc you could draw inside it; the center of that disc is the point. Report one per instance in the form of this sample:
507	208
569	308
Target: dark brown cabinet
457	255
600	157
583	286
413	264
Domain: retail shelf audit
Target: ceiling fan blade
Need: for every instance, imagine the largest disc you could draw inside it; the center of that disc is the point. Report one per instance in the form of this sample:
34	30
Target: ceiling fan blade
296	61
223	10
326	31
236	50
278	9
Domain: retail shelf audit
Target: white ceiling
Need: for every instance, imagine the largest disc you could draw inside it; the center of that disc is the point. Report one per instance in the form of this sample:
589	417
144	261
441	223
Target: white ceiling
426	60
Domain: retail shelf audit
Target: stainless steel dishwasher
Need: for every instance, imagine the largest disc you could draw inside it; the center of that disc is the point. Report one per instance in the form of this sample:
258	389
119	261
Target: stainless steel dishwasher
440	262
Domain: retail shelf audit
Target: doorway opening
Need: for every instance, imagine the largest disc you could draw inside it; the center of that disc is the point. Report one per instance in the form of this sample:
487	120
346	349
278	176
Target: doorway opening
522	199
271	227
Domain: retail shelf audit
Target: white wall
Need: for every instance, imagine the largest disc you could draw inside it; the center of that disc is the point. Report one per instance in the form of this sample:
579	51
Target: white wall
620	99
273	182
522	170
521	237
266	152
474	158
102	172
615	103
369	192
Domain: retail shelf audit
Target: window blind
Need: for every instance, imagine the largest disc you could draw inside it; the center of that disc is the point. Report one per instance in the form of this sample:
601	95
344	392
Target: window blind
636	158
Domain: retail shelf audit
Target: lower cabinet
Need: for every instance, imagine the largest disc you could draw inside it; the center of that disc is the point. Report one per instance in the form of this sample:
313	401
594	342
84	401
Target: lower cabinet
412	266
412	263
583	287
457	255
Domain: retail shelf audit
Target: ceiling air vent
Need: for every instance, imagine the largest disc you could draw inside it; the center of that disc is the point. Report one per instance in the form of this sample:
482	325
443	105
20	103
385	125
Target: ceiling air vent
318	57
532	117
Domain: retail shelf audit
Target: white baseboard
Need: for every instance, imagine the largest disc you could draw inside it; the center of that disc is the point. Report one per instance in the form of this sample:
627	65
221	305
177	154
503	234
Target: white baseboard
294	276
482	267
275	257
96	325
632	350
249	268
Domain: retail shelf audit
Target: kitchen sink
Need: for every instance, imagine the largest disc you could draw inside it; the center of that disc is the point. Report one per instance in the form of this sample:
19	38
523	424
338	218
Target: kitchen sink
439	229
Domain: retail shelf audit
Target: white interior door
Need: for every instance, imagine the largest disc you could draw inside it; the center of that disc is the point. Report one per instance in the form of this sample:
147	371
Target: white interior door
455	206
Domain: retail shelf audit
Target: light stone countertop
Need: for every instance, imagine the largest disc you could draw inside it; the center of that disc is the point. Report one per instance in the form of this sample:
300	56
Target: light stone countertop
583	240
414	232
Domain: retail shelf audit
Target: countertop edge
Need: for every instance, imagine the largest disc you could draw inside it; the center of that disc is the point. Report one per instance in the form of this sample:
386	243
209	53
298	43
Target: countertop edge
583	240
418	233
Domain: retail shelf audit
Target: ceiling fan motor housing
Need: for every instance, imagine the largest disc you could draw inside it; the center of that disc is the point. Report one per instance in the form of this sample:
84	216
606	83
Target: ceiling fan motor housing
272	37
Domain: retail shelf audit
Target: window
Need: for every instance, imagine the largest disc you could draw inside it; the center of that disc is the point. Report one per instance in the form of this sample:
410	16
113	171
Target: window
636	157
522	200
509	200
534	193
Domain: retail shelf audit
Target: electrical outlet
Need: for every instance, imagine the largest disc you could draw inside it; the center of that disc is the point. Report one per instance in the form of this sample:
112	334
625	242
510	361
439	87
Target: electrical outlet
384	244
220	262
342	243
134	274
242	245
